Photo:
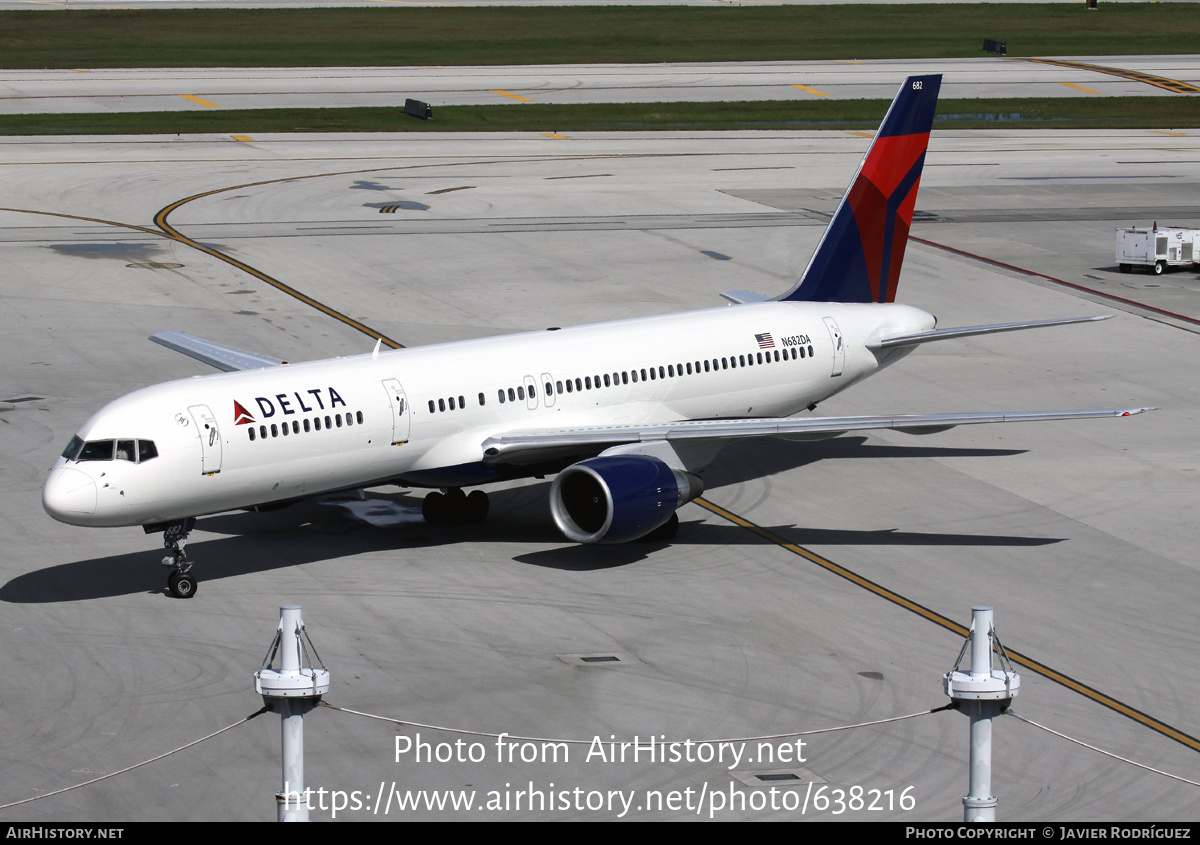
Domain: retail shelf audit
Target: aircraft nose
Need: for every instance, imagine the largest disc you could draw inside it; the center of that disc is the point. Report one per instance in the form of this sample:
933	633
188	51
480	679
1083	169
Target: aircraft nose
69	496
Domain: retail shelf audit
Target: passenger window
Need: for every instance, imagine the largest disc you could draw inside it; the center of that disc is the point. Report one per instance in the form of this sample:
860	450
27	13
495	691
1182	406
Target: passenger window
578	385
587	380
549	389
481	400
512	395
285	429
295	426
500	393
724	364
274	430
776	356
307	427
358	415
317	422
635	378
250	430
607	383
662	373
624	377
558	387
328	423
570	386
520	391
337	418
349	419
532	392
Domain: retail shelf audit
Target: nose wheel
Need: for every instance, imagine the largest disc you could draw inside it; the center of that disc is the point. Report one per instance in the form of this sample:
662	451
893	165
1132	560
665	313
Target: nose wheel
180	583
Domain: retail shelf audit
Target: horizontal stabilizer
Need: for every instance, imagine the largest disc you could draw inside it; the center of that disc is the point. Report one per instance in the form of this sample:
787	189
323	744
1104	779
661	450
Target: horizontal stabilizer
225	358
970	331
741	297
528	445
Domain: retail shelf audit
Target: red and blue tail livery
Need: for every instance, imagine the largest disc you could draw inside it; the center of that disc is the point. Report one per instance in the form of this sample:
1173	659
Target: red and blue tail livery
859	257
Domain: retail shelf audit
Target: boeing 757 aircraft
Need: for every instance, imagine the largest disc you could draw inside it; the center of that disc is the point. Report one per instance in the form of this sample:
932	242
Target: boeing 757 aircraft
627	414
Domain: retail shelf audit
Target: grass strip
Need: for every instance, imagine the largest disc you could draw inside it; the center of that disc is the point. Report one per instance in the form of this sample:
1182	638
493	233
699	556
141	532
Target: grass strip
1167	112
419	36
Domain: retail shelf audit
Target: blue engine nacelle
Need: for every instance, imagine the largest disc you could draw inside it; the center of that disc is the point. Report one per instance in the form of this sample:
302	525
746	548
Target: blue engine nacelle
618	498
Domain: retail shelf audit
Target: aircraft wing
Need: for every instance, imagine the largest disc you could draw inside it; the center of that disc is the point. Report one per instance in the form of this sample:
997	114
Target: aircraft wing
531	445
225	358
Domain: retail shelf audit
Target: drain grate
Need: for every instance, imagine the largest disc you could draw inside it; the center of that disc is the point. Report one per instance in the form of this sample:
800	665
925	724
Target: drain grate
599	659
775	778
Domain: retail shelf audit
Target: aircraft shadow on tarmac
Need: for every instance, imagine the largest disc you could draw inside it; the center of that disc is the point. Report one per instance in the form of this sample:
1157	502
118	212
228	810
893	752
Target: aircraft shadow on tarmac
345	526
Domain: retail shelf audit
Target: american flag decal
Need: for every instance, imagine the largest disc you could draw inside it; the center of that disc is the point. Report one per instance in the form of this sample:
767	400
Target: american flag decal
765	341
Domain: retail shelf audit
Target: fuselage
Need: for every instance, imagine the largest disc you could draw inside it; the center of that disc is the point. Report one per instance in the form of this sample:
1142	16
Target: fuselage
419	416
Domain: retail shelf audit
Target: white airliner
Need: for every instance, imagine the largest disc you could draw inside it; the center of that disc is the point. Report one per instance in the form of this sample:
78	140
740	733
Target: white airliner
628	414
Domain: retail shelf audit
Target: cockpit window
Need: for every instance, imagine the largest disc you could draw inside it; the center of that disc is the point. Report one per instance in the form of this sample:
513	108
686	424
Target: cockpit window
97	450
72	450
134	451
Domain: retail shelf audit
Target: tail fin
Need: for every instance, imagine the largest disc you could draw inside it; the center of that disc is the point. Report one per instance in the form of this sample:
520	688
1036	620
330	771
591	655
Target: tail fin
859	257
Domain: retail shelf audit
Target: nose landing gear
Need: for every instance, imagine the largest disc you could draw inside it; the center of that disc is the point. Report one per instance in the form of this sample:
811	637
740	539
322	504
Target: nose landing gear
181	583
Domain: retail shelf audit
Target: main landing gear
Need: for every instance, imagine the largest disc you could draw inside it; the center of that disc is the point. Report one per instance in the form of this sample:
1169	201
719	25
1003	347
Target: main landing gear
181	583
454	507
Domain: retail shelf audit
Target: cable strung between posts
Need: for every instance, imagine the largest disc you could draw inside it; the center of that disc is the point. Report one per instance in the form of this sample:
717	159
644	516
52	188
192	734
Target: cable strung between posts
506	736
1101	750
136	765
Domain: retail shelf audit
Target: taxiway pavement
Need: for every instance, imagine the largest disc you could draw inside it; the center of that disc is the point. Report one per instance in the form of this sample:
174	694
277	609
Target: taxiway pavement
1081	534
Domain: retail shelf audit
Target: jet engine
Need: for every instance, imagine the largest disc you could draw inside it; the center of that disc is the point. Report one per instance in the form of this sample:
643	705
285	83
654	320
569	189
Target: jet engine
618	498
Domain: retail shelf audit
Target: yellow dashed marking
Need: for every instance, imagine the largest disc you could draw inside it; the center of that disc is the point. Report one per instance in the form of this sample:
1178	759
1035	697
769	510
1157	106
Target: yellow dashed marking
77	70
1169	132
199	101
862	134
1079	88
510	94
555	136
812	91
241	137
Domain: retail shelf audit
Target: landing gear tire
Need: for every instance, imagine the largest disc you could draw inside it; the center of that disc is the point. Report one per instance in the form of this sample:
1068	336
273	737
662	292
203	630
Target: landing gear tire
477	506
454	507
182	585
433	508
664	532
